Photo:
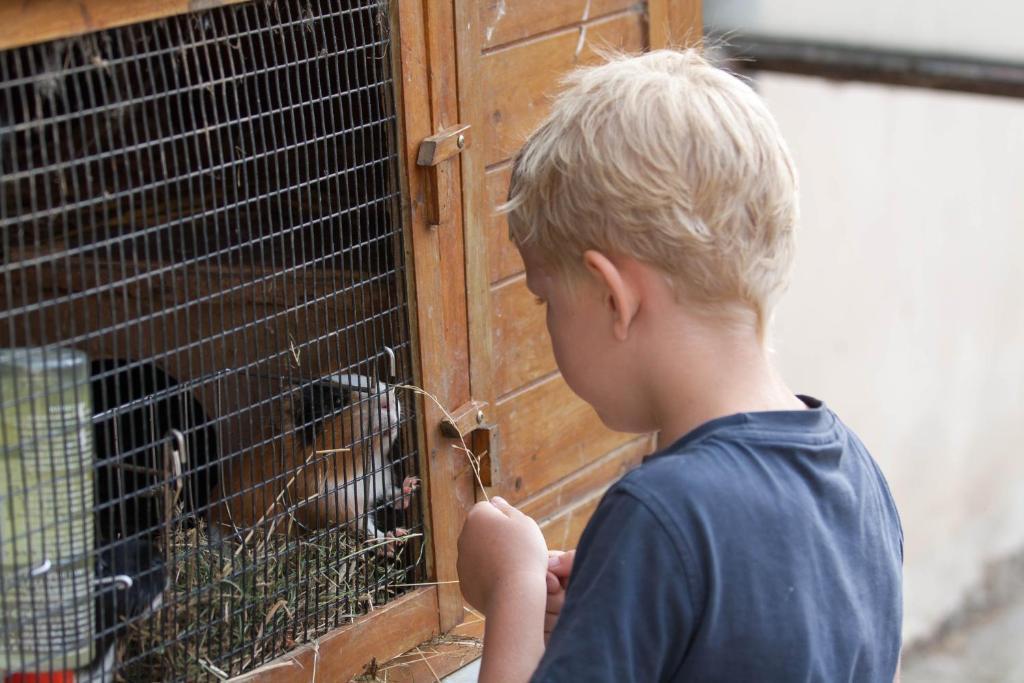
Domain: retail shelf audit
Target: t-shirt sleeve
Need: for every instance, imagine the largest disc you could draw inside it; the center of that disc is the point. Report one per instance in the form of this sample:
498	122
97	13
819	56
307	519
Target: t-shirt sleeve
628	614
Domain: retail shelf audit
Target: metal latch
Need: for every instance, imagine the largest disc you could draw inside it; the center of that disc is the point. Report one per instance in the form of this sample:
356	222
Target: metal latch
433	151
469	423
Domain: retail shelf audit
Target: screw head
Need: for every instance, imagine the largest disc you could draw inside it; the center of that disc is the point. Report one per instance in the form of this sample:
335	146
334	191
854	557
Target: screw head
479	416
460	141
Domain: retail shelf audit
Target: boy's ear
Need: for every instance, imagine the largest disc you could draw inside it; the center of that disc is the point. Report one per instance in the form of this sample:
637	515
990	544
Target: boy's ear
618	291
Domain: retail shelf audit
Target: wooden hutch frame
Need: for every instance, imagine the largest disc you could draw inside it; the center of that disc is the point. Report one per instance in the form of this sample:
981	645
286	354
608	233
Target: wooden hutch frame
475	76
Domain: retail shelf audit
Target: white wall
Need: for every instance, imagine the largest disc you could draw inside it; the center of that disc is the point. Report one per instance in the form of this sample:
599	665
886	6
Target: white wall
906	312
982	28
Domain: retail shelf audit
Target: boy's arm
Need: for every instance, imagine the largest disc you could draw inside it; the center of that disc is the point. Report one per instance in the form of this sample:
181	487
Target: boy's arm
514	632
502	567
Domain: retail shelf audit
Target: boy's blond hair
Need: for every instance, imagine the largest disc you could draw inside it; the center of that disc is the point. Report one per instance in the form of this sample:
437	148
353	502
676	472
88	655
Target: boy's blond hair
667	159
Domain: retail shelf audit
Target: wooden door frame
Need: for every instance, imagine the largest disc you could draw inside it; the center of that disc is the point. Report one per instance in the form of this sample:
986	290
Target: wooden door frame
438	62
423	51
436	49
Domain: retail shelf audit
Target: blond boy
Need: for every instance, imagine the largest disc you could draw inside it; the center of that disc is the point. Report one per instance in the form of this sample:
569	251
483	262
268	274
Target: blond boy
655	210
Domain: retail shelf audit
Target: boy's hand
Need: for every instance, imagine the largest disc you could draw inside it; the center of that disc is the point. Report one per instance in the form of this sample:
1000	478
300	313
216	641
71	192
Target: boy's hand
559	568
500	548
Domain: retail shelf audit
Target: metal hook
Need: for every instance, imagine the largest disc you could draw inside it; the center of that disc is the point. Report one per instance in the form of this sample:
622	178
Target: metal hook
121	581
176	456
182	448
41	569
392	364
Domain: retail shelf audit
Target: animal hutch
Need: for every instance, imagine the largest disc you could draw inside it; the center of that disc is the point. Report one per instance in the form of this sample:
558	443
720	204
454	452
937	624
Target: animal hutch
262	335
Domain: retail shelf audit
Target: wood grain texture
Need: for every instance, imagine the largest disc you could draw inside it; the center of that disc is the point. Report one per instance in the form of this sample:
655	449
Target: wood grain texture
23	22
520	80
474	193
562	531
438	268
502	256
686	22
658	28
438	657
548	433
348	651
504	21
522	347
596	476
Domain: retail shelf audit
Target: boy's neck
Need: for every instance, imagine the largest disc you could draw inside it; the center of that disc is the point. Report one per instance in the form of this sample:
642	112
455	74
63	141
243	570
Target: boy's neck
712	374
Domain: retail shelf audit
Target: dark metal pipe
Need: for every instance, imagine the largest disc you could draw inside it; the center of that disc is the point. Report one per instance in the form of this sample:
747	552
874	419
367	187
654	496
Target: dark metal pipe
848	63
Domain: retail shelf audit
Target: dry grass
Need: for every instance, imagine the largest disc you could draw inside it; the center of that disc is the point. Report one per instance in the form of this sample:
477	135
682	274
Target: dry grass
229	609
232	607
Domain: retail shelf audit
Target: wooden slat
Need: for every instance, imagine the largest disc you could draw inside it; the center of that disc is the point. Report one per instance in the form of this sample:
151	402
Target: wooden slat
445	367
658	28
686	26
581	484
520	80
348	651
438	657
23	22
520	337
504	21
547	433
562	531
474	198
437	265
503	257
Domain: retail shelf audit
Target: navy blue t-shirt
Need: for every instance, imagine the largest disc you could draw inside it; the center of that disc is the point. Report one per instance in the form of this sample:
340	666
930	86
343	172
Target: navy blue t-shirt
759	547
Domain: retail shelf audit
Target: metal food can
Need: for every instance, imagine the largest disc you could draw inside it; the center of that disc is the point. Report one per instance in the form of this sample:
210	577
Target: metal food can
46	510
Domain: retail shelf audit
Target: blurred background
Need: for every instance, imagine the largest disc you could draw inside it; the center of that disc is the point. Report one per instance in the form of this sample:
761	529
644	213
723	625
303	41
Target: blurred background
906	314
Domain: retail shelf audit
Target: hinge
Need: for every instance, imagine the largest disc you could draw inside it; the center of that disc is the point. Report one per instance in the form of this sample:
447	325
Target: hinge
470	423
432	153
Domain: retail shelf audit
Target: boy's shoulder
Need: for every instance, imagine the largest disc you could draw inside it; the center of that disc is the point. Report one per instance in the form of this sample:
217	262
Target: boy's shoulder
737	486
740	529
733	456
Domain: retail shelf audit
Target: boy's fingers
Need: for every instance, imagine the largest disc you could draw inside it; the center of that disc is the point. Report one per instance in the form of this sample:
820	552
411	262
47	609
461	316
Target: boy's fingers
503	505
553	584
549	623
561	566
554	603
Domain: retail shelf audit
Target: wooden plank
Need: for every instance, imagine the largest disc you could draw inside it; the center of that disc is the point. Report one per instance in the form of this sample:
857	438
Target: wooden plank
439	269
548	433
504	21
520	337
35	21
439	656
478	296
562	531
658	29
686	23
502	256
582	483
521	79
350	650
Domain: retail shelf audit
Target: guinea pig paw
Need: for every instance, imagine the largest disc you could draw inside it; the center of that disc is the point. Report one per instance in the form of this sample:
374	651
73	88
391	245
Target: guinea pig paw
410	484
394	543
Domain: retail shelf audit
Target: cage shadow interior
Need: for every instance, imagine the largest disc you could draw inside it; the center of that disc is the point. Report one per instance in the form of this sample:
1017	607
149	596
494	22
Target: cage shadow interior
206	460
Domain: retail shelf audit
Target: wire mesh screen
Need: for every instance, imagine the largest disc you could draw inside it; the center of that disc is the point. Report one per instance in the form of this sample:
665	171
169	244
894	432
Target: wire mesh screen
207	455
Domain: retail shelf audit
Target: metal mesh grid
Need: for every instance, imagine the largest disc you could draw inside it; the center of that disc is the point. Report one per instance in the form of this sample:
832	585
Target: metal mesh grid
205	458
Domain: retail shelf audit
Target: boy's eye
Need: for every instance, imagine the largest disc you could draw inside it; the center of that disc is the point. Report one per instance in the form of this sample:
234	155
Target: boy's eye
539	301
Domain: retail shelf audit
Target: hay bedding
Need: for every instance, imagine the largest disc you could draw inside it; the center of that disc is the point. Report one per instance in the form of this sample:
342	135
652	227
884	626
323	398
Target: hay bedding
228	608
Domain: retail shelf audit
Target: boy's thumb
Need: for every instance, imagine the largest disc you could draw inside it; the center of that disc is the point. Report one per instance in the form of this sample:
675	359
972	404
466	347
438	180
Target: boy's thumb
561	565
502	505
